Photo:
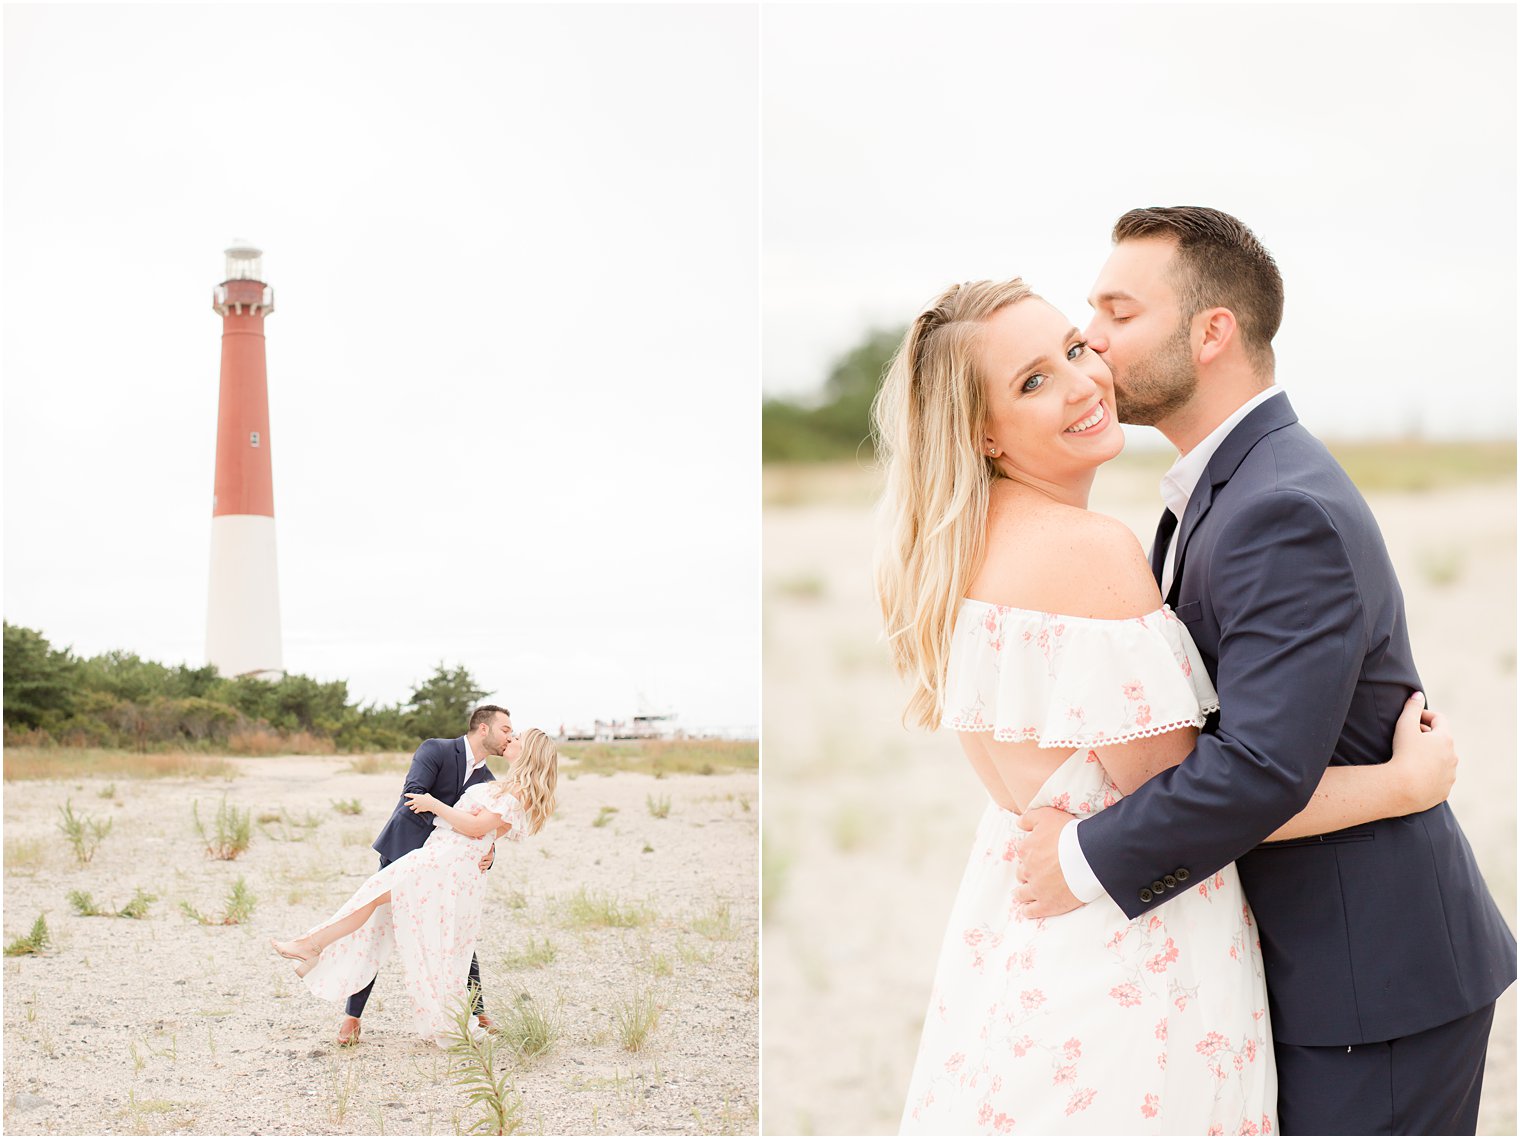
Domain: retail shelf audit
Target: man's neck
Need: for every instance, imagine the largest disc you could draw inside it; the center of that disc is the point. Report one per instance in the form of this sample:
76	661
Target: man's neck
477	749
1191	425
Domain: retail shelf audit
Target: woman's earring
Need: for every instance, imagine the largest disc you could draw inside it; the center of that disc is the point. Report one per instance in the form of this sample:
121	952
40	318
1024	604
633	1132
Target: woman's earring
992	452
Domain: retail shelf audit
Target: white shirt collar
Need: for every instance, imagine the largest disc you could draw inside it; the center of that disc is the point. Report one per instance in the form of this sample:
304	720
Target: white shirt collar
471	764
1177	484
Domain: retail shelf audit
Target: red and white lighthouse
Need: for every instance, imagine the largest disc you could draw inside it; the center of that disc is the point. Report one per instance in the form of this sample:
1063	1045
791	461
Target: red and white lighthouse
243	609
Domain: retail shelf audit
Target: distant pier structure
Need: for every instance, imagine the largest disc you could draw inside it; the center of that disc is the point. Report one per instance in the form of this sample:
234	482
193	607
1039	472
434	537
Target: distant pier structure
243	603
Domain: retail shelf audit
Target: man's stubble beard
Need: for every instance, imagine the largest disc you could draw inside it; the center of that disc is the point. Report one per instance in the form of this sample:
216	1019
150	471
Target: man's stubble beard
1158	385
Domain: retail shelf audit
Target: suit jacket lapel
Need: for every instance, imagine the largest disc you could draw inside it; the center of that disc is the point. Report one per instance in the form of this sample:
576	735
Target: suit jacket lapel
1270	416
461	767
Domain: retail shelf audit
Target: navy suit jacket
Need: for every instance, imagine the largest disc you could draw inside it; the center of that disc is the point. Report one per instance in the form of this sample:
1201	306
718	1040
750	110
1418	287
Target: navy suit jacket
438	769
1282	579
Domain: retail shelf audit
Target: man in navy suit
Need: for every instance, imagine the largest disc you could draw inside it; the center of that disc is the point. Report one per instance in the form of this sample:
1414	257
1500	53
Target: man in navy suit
442	768
1384	950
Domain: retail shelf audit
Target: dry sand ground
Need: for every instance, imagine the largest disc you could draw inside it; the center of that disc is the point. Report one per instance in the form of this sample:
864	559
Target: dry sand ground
166	1026
867	825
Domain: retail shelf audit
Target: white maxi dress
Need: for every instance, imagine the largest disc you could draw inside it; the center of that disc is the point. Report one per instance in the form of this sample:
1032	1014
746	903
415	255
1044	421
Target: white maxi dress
431	922
1088	1023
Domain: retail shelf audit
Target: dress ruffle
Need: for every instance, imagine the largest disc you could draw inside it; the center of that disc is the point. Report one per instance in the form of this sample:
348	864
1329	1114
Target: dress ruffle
1072	682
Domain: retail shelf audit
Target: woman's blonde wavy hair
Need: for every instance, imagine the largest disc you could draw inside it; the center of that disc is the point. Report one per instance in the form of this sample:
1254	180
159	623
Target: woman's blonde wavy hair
928	421
532	778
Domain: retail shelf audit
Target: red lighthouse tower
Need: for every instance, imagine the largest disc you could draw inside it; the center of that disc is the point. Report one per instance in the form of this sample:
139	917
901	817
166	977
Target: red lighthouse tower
243	607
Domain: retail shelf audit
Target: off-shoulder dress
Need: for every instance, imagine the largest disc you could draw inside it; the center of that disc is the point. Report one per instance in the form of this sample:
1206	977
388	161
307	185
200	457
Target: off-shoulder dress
1089	1022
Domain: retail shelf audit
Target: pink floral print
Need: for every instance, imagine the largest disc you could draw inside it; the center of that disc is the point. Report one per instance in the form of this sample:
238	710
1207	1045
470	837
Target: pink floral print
1088	1022
431	921
1070	681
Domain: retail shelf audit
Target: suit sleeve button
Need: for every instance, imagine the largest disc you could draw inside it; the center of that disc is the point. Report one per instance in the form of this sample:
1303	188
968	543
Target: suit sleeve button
1145	895
1182	874
1158	887
1169	879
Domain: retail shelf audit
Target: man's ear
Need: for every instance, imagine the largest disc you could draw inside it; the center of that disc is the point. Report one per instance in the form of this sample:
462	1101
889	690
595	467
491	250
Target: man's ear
1217	328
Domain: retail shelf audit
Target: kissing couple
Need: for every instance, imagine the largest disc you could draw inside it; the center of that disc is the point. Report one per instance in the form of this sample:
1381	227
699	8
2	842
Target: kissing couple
425	901
1216	887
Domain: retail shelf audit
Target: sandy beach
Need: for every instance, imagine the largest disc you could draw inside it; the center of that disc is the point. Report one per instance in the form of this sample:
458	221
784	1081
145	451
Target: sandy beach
868	825
166	1026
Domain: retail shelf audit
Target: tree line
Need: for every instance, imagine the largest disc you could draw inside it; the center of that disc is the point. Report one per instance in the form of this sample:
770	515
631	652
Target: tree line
837	425
119	700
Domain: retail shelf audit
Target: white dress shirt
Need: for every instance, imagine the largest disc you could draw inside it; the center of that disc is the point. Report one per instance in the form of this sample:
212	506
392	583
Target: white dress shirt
1177	487
471	766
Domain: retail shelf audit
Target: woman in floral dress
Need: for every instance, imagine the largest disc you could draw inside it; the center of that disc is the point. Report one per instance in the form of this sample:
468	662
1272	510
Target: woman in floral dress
1033	627
426	905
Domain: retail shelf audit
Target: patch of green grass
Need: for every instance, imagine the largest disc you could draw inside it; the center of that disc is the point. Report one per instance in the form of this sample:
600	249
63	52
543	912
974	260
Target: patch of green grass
1415	465
662	757
347	806
234	831
659	808
342	1083
238	909
635	1017
25	855
27	763
717	924
515	899
378	764
137	1108
528	1028
693	954
137	908
604	816
803	587
108	791
588	909
535	955
34	942
84	905
84	833
288	828
775	864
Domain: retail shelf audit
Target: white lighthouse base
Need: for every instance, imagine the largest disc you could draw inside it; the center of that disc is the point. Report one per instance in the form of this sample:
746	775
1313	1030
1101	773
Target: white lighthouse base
243	605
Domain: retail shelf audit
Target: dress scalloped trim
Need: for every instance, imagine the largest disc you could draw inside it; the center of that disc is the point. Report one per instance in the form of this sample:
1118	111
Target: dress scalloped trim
1003	736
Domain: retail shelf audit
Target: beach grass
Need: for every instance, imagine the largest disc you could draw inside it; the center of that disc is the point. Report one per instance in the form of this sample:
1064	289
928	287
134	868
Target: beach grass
1375	466
378	764
590	909
29	763
662	757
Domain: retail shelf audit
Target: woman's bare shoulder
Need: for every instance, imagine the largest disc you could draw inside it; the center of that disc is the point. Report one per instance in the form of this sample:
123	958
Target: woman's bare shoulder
1063	559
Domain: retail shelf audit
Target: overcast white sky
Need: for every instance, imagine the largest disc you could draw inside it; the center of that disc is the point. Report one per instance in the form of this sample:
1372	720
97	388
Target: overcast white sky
1371	147
513	367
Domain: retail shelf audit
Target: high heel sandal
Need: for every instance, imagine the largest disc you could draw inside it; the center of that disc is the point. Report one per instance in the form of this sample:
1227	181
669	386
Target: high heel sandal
306	961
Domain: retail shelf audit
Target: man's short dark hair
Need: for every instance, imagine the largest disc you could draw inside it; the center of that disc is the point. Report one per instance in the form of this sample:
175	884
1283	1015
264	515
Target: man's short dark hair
483	714
1220	264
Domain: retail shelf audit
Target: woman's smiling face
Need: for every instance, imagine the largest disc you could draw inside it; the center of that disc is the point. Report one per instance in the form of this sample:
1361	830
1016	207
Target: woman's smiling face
1050	398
